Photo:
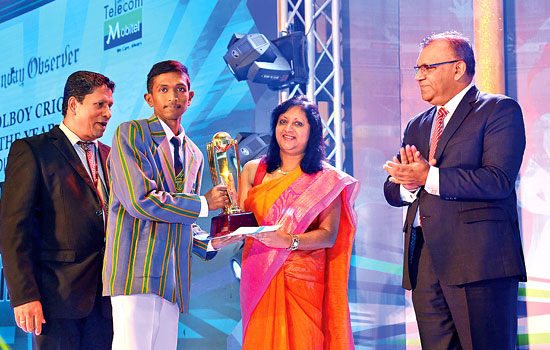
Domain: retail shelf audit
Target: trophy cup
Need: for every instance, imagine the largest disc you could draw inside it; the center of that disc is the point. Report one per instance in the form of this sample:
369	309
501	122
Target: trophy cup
223	158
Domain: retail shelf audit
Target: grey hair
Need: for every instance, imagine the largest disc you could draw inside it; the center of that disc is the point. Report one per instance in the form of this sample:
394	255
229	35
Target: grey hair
459	43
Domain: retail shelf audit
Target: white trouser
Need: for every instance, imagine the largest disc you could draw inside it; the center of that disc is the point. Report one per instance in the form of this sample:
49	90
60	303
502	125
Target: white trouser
144	321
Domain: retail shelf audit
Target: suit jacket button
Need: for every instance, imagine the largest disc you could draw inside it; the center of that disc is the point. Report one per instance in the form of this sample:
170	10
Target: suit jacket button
99	212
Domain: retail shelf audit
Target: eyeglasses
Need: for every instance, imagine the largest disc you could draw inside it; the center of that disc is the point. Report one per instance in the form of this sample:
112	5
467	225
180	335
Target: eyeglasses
426	68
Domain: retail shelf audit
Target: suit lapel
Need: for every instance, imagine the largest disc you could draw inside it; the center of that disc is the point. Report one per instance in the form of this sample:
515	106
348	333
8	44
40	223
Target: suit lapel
61	142
103	155
190	167
163	152
464	108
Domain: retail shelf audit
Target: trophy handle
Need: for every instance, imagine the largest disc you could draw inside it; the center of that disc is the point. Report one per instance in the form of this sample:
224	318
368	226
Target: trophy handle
212	162
236	182
236	145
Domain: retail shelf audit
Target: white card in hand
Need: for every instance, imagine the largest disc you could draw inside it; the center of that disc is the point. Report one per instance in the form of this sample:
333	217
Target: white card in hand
249	231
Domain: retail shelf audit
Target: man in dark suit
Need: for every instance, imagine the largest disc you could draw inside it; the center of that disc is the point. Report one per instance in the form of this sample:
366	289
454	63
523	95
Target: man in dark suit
456	171
52	223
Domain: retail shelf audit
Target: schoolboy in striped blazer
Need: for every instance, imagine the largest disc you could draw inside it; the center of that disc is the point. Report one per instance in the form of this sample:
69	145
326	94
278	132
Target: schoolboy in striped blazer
155	172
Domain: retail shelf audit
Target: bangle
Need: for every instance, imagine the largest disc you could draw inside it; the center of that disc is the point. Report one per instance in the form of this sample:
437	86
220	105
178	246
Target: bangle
294	243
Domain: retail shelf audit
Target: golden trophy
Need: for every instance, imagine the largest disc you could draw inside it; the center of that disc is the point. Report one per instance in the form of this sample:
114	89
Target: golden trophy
223	158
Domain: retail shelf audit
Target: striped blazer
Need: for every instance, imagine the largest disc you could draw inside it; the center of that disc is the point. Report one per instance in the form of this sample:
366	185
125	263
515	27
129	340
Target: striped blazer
149	238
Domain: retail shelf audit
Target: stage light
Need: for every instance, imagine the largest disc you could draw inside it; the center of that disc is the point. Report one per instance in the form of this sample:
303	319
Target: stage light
235	260
256	59
236	268
278	63
252	145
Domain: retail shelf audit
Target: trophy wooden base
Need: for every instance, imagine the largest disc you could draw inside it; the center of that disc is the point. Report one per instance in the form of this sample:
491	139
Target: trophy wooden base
225	223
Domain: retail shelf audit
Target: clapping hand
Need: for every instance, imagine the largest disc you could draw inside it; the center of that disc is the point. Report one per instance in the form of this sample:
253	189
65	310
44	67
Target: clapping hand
411	171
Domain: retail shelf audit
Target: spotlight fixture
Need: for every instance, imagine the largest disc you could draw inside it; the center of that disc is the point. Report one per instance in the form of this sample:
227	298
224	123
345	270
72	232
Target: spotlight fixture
252	145
236	260
278	63
236	268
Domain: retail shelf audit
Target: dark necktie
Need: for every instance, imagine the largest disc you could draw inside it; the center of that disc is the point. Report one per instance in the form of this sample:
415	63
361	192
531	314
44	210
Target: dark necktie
178	165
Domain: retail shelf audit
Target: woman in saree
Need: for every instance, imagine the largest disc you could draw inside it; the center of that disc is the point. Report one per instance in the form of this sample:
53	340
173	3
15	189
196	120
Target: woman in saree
294	280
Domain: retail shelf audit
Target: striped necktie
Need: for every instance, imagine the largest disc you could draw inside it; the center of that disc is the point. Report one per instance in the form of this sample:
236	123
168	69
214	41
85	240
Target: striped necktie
89	148
438	130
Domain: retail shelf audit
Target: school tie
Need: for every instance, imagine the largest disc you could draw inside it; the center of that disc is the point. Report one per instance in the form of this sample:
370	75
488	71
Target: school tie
89	148
178	165
438	130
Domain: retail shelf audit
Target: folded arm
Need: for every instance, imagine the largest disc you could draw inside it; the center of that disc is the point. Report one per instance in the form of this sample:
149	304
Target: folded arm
135	184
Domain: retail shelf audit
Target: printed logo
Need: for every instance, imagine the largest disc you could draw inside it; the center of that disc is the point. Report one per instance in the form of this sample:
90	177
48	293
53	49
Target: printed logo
123	23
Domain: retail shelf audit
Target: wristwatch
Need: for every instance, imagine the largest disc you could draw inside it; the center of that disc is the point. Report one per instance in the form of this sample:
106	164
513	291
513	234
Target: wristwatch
295	242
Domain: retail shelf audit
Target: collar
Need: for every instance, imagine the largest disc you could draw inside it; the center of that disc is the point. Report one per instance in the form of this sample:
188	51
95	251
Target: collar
170	134
73	138
454	102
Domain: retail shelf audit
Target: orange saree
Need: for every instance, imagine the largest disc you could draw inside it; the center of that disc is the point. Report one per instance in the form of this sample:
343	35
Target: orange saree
298	300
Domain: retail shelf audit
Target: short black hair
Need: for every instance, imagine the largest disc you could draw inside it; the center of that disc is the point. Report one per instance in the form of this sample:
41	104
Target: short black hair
314	154
166	67
461	46
82	83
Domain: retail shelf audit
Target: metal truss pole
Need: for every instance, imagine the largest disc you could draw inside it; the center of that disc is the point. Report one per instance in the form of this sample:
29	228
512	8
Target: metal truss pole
323	50
310	39
282	18
337	84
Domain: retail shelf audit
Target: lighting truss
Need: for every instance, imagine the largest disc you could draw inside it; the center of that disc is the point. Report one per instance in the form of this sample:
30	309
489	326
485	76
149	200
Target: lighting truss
321	20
